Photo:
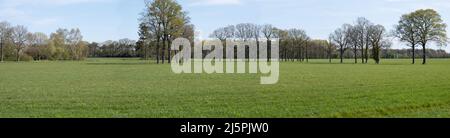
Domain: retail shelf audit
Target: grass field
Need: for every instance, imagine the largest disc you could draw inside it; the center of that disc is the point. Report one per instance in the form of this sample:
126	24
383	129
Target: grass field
134	88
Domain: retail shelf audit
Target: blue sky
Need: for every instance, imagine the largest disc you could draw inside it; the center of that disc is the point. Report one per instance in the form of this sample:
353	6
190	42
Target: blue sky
101	20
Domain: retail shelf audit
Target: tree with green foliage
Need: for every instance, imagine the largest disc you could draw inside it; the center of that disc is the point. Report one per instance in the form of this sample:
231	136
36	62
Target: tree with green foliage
330	48
376	39
429	27
299	39
406	32
166	20
420	27
142	43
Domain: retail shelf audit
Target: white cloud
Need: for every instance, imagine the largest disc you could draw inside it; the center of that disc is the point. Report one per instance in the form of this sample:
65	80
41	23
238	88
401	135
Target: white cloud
214	2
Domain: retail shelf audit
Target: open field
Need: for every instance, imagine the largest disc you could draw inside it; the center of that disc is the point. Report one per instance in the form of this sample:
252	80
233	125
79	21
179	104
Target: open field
135	88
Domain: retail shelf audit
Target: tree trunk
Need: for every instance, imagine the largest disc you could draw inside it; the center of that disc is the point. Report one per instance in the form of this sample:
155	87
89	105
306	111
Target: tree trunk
342	54
367	53
1	51
356	54
362	55
157	49
413	54
285	55
169	50
306	52
376	53
18	56
163	51
144	47
329	55
257	50
269	47
424	54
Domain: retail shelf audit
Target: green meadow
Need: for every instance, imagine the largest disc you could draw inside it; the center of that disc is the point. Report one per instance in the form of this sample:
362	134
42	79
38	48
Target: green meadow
133	88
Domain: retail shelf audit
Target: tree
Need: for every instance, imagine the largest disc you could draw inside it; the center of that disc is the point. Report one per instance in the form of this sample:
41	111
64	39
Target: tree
67	45
283	37
126	47
58	41
362	27
244	31
341	39
93	49
189	32
330	48
75	44
144	38
230	31
376	38
5	31
36	42
429	27
223	34
256	33
166	20
269	33
18	38
306	43
354	40
219	34
299	40
407	32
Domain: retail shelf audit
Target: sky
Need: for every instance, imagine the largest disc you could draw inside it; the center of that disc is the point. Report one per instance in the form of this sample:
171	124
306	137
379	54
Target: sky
101	20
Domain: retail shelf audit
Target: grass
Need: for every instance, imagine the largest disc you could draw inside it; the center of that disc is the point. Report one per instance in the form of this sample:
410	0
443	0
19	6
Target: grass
133	88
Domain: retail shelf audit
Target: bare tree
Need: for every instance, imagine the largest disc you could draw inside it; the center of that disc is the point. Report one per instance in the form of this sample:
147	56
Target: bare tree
269	33
230	31
256	32
220	34
341	38
362	27
353	36
244	31
18	38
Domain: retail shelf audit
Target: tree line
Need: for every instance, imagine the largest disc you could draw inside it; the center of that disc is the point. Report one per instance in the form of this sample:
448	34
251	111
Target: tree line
18	44
122	48
164	20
